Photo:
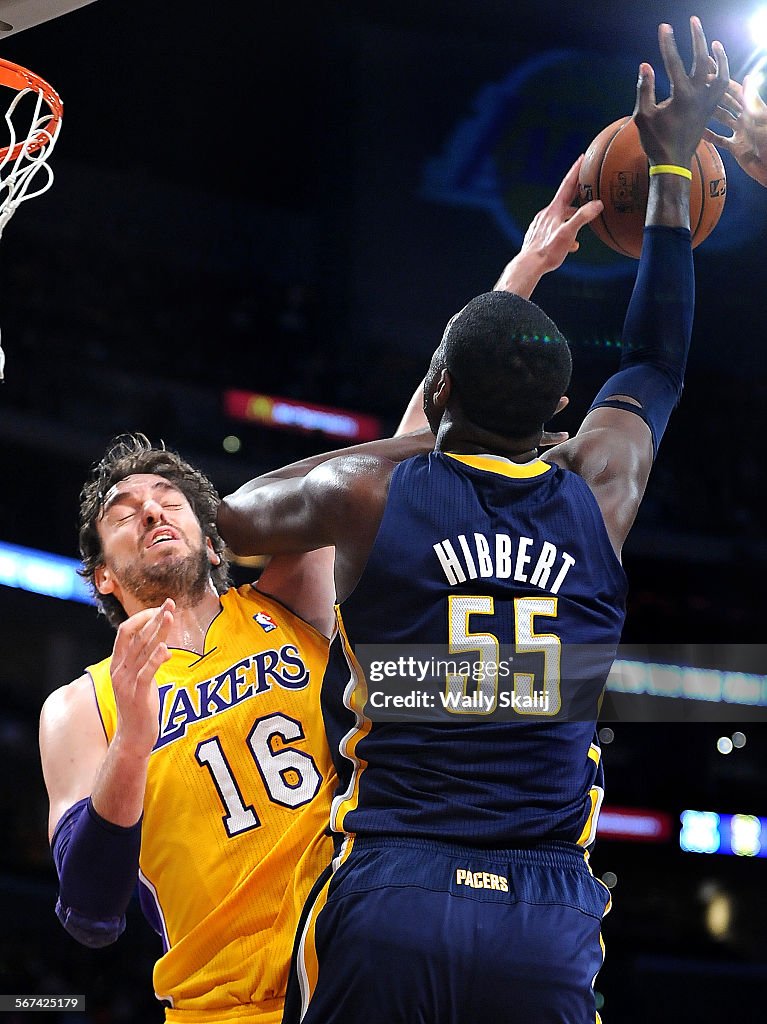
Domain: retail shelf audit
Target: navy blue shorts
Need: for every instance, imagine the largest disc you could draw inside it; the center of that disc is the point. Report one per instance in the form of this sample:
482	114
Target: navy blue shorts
420	932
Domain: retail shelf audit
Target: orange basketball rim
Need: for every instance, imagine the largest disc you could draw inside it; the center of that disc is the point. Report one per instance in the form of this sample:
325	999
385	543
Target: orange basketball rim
45	128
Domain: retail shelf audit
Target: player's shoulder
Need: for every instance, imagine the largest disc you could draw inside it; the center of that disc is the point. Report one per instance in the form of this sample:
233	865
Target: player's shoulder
352	469
71	701
611	444
350	485
585	455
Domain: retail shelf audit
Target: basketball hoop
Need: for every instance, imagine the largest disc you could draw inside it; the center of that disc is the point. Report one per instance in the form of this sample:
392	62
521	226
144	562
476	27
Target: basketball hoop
25	157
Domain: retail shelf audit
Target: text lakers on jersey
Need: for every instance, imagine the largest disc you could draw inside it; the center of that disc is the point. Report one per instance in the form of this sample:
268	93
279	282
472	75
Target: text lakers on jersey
249	677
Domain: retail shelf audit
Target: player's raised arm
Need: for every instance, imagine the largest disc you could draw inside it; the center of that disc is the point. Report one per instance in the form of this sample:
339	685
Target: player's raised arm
617	442
96	792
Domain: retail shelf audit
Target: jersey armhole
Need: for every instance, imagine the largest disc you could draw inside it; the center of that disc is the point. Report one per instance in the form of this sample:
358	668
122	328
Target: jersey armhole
98	705
283	608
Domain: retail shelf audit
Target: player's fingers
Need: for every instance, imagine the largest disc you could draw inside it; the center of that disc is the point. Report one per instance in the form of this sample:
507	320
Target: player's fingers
155	629
728	111
701	59
726	117
159	623
158	656
735	90
723	141
132	626
718	85
671	59
645	100
585	214
569	185
128	640
711	69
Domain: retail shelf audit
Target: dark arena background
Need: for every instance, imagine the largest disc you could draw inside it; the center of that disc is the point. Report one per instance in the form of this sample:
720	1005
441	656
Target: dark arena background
262	217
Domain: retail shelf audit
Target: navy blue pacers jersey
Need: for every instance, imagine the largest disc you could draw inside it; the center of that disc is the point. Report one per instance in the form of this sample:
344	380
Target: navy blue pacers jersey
478	554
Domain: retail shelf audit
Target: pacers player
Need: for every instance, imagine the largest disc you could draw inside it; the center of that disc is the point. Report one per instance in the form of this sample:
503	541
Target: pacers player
194	759
461	891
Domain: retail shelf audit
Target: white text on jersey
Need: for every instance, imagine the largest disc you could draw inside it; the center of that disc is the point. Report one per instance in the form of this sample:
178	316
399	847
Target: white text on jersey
247	678
477	556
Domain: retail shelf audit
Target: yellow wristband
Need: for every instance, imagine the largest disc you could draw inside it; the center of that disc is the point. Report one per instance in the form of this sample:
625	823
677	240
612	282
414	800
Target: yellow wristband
683	172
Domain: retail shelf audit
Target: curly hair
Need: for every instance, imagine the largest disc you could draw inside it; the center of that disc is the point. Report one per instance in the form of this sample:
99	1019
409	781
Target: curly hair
126	455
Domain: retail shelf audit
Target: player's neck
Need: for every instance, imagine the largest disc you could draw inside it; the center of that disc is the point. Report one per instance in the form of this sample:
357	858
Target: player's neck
191	622
191	619
463	439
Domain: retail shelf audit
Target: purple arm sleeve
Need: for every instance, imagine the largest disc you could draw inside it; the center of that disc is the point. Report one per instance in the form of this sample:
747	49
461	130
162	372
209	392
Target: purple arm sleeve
97	864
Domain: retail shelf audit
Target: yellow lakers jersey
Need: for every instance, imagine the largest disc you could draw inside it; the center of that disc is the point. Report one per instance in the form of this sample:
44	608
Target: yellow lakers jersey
236	809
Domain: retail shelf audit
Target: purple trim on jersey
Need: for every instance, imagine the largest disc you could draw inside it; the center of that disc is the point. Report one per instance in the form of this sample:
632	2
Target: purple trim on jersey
98	706
150	908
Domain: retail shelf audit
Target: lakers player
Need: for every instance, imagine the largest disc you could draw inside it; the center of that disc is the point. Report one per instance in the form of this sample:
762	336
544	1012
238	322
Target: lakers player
194	758
461	891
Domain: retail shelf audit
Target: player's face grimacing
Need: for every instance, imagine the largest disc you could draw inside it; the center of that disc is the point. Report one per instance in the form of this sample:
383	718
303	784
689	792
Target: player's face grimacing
152	541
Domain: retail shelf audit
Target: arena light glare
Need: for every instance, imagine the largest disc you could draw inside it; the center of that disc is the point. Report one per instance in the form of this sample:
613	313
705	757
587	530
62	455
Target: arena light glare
42	573
753	85
758	27
719	916
739	835
303	417
634	824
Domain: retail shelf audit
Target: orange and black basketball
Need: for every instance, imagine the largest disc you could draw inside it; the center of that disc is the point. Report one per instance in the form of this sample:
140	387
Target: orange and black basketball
616	170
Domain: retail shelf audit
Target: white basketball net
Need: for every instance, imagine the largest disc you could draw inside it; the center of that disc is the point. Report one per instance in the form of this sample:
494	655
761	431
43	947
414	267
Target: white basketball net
17	176
27	174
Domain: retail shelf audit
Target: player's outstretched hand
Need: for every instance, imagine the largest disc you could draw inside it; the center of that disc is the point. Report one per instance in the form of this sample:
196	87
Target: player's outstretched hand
553	231
671	130
140	648
552	234
744	112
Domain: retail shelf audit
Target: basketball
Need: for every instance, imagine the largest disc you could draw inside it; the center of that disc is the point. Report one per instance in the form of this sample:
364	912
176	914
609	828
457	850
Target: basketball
615	169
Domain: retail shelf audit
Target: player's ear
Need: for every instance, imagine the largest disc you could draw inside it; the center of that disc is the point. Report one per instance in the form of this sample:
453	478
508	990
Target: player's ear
213	557
103	580
442	389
